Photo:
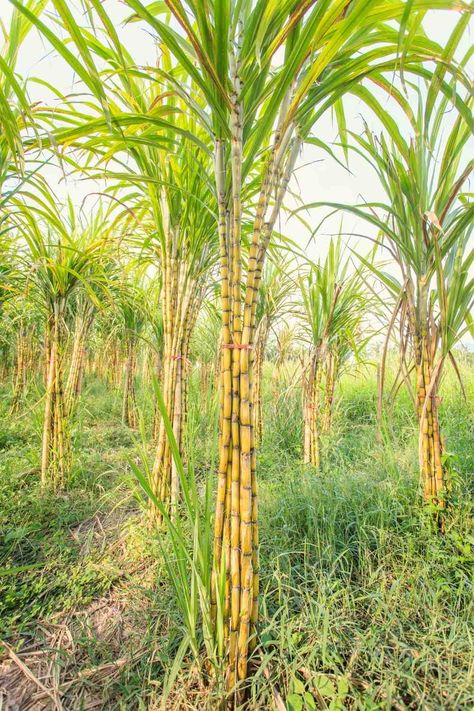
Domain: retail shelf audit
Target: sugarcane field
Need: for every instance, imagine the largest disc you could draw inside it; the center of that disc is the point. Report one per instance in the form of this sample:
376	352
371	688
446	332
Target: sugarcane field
236	355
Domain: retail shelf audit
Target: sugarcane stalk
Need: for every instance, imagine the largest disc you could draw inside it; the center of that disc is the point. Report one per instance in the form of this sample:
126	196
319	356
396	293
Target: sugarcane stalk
329	387
129	404
20	368
311	388
56	451
182	296
432	469
48	412
83	325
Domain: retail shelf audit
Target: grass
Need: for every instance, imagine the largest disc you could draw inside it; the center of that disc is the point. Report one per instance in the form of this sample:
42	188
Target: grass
363	605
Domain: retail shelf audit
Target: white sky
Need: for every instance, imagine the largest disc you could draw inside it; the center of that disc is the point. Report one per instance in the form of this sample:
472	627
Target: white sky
324	180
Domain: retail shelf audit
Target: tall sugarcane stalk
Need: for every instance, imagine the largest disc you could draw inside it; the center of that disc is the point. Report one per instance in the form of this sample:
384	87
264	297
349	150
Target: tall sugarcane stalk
181	298
82	327
432	470
332	367
129	396
56	448
24	364
311	409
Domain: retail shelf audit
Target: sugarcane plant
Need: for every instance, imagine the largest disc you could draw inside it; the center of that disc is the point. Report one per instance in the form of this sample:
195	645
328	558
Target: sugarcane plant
130	302
25	323
179	237
60	260
426	227
276	286
334	304
186	248
84	308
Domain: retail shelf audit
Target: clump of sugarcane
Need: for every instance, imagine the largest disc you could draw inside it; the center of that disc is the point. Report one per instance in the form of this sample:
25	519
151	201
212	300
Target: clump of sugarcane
11	284
258	110
26	348
154	340
181	239
426	229
62	259
333	307
186	252
276	286
130	302
84	317
85	304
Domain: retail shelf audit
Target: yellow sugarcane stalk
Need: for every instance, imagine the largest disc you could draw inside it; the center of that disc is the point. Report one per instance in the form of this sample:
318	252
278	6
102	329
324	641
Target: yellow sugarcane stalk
77	365
48	412
182	297
240	503
311	399
56	452
129	405
20	371
329	391
432	471
222	517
